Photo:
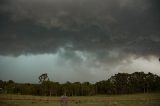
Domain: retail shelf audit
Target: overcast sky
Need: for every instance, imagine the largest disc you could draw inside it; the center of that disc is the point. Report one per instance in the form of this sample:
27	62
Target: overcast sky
78	40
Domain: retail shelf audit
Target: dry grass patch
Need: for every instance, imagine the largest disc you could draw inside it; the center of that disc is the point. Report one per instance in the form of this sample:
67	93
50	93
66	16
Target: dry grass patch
109	100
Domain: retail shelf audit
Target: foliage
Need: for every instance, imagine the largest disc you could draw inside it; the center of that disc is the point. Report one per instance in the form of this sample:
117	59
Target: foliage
121	83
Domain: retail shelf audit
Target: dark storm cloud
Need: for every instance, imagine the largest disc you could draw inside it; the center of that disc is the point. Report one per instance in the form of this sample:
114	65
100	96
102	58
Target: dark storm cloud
96	26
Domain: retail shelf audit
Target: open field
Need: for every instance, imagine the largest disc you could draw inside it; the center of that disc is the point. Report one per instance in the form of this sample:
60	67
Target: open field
113	100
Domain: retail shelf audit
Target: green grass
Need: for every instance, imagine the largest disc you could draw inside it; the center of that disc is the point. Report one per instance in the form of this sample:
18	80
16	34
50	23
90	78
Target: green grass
108	100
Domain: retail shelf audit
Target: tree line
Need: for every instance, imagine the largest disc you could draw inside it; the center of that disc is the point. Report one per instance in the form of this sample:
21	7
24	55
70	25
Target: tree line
121	83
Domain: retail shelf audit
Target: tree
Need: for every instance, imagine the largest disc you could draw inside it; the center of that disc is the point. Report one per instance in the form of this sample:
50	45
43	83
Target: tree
43	77
28	89
10	85
44	80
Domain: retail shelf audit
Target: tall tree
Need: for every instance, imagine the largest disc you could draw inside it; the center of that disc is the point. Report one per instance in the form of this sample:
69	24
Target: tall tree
43	77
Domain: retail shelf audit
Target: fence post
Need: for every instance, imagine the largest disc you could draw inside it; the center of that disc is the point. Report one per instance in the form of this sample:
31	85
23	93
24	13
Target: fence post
64	101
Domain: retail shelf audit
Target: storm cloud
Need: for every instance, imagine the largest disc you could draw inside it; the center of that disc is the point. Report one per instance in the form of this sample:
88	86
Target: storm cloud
87	35
38	26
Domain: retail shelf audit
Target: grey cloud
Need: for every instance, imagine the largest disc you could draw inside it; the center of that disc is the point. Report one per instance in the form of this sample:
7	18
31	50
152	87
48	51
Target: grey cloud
38	26
76	15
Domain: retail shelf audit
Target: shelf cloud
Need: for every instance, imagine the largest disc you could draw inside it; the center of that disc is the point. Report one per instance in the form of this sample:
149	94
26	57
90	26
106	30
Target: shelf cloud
108	31
43	26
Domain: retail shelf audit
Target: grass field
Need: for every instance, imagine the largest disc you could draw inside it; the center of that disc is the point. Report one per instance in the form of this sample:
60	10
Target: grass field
113	100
